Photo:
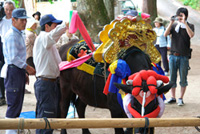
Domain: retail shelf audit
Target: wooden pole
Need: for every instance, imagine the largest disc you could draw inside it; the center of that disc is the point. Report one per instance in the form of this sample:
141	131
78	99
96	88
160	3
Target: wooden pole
56	123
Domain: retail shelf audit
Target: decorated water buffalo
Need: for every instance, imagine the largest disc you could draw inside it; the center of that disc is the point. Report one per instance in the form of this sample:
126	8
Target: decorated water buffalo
127	49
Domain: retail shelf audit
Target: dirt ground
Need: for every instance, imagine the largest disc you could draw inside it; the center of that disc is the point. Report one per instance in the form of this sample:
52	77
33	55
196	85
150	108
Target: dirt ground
190	109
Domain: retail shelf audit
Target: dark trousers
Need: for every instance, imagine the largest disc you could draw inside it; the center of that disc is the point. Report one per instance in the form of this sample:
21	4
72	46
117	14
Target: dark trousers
2	88
48	96
163	52
15	87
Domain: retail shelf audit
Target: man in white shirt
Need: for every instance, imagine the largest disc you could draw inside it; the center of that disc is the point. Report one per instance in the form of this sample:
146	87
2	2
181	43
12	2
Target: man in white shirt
46	59
6	22
5	25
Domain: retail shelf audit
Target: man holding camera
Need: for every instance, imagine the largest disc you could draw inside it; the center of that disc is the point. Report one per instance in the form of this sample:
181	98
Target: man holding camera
181	33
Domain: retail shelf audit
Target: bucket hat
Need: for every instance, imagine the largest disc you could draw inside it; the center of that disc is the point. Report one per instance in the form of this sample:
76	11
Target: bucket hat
30	22
159	20
37	13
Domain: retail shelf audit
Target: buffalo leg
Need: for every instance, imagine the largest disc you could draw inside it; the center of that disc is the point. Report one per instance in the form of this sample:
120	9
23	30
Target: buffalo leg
66	95
81	107
116	110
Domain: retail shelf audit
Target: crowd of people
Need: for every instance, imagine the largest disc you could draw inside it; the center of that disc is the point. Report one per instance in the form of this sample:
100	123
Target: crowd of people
29	47
36	54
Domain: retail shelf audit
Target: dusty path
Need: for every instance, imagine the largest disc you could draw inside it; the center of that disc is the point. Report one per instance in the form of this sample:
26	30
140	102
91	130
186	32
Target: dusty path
191	99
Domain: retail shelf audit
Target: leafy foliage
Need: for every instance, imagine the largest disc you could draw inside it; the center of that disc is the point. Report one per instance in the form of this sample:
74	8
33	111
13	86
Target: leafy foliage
195	4
50	1
16	3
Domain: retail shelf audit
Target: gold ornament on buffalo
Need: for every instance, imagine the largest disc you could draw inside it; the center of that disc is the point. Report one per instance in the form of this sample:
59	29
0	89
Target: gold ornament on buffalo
120	35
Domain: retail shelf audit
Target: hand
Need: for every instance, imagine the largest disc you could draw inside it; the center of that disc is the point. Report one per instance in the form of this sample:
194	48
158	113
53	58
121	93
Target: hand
182	18
30	70
67	24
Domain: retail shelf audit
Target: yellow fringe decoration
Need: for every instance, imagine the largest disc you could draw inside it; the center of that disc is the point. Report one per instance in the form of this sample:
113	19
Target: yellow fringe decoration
86	68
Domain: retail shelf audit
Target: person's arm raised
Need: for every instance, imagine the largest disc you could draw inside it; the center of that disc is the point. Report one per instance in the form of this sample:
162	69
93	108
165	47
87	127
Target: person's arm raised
167	31
188	29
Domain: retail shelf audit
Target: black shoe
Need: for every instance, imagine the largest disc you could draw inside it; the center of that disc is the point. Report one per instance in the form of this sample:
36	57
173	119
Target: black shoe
170	101
2	102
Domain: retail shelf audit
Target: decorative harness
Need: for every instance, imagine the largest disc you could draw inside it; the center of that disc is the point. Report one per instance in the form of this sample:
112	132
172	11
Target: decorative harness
142	95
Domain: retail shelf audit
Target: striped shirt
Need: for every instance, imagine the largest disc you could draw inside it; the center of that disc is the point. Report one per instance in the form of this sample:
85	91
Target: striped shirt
14	48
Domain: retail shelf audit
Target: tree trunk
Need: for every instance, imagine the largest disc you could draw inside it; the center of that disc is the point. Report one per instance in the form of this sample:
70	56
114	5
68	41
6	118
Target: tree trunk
21	4
110	8
150	7
94	16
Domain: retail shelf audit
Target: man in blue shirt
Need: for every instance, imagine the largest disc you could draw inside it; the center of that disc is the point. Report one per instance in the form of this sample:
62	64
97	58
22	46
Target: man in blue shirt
15	66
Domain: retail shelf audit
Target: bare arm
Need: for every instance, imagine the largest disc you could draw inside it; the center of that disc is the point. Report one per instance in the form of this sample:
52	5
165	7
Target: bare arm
188	29
167	31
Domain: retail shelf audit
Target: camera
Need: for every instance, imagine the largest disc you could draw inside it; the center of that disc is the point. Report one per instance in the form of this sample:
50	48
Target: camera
174	18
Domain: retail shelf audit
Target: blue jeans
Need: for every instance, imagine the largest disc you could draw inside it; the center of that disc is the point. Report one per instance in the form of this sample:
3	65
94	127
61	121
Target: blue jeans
48	95
180	63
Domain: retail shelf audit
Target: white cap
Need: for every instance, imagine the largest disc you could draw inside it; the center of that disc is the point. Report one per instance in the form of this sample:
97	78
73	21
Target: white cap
30	22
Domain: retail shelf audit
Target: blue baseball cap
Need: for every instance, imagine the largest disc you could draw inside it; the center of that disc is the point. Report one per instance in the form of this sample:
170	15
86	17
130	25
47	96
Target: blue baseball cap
19	13
49	18
132	13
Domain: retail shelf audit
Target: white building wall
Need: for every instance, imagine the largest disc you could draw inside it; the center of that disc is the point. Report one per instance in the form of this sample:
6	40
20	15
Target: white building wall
59	9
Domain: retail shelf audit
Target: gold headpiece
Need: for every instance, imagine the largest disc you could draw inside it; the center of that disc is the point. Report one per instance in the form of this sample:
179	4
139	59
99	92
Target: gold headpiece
122	34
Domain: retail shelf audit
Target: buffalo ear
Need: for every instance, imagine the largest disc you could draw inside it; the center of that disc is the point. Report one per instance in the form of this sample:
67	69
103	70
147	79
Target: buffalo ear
165	88
125	88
